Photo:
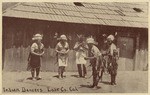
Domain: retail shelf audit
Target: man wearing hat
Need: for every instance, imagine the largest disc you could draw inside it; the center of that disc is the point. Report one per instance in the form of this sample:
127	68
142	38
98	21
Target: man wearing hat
94	56
113	57
35	56
104	50
62	48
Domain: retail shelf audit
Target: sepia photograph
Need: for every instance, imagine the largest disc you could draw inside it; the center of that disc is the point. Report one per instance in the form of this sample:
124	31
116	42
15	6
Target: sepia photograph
75	47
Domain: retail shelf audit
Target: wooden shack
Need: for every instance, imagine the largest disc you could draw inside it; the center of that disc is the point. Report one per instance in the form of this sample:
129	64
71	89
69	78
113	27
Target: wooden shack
23	20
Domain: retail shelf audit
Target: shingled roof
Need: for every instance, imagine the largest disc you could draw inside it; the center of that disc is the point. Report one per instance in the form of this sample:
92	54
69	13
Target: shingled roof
100	13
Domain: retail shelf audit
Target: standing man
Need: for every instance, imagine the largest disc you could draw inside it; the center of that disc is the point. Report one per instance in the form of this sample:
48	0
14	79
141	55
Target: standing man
113	57
104	50
35	56
80	55
62	48
94	56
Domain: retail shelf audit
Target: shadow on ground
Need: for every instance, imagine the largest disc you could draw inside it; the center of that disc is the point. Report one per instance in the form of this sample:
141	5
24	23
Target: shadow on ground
89	86
105	82
56	76
76	76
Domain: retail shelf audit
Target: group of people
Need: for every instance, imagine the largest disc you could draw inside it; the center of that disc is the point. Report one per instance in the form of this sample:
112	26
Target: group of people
86	51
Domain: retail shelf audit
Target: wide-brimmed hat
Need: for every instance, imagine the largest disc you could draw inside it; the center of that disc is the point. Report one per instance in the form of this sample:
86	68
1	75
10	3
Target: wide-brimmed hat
37	37
110	37
63	37
91	41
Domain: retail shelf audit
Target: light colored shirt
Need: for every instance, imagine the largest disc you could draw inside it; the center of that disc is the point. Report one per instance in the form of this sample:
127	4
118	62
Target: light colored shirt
112	48
95	51
59	46
34	47
81	53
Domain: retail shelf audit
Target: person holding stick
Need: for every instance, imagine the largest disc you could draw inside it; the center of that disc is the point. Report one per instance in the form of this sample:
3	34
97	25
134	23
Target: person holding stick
94	56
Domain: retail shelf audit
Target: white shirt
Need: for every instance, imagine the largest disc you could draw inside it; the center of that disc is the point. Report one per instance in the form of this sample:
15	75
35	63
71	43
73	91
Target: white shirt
34	47
59	46
112	48
95	51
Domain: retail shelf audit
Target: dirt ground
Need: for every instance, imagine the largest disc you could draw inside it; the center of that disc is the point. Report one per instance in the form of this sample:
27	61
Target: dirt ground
127	82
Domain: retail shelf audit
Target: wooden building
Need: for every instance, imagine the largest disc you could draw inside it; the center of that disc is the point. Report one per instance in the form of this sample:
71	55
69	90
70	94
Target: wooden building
23	20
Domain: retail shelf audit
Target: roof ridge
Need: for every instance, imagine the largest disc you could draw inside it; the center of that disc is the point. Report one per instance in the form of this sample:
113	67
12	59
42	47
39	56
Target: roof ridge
95	15
78	16
81	7
82	11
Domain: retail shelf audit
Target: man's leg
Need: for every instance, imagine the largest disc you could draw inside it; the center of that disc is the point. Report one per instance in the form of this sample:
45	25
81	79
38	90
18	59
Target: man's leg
101	73
97	79
104	65
62	72
111	75
32	73
111	79
116	72
37	72
59	72
98	69
94	76
79	70
84	70
115	77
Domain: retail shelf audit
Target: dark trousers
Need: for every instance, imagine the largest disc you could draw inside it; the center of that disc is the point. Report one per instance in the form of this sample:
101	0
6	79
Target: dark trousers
113	79
112	69
61	70
95	74
113	75
81	70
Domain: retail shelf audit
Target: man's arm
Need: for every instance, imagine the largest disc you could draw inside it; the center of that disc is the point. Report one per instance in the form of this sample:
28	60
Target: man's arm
67	48
56	49
77	45
42	50
32	50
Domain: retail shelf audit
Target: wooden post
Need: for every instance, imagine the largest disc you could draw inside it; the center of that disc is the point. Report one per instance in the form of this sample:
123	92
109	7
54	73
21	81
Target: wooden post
136	63
3	50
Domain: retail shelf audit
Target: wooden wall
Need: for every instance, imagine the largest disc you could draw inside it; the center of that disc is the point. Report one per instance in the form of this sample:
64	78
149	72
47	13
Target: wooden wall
17	35
17	60
141	55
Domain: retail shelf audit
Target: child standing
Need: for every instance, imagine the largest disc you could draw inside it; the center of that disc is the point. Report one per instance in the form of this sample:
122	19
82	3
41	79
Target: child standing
62	48
37	50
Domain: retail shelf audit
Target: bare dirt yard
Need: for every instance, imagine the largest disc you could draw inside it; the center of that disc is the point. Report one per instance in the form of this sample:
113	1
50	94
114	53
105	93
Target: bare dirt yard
127	82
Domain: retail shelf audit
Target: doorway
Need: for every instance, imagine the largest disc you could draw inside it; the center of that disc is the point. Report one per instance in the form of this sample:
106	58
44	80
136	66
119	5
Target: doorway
126	52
